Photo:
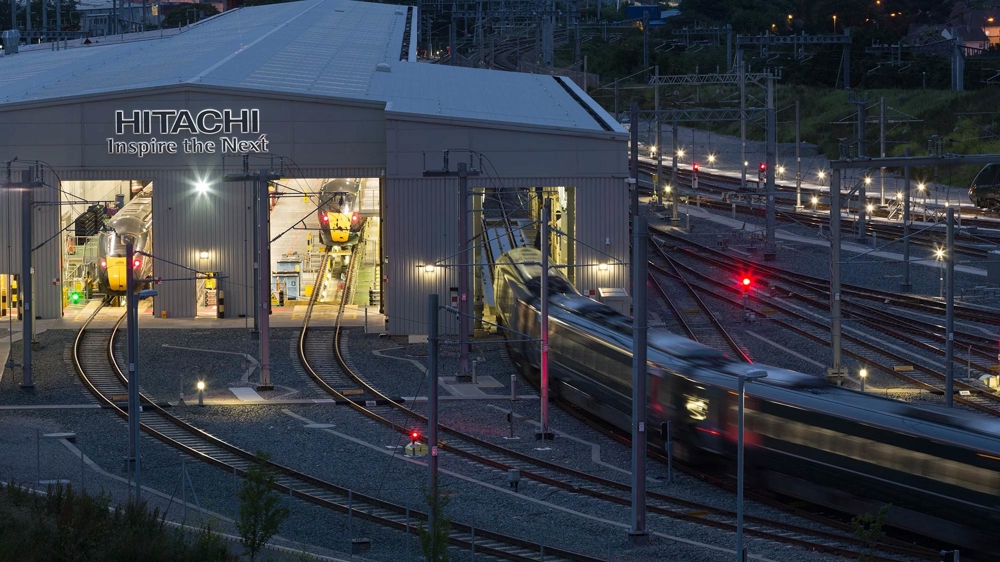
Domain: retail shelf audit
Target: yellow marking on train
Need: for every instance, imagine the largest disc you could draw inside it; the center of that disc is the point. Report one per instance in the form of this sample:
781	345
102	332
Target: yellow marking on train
989	456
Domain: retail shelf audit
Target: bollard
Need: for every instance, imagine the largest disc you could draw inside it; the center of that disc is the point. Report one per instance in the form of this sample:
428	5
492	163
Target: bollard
281	297
734	209
510	420
475	377
513	387
687	221
220	311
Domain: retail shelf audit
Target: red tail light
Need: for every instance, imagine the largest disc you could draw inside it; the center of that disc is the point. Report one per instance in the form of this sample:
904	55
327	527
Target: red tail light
355	217
136	263
324	217
104	264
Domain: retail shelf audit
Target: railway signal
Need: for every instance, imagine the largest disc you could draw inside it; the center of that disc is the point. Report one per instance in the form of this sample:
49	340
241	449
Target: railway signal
762	173
694	175
75	297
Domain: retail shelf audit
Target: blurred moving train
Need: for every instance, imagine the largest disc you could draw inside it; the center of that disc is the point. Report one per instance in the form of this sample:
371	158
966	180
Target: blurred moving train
805	438
985	189
340	212
135	219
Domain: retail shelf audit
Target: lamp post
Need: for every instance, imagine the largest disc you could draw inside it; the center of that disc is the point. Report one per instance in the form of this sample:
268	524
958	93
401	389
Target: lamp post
749	376
201	393
863	374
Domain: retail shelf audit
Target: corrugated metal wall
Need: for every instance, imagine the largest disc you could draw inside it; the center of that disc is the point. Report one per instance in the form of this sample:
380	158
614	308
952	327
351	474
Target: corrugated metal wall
421	227
44	236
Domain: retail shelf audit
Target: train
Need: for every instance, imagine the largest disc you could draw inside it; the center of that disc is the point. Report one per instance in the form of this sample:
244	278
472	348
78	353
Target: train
135	220
805	438
339	209
985	189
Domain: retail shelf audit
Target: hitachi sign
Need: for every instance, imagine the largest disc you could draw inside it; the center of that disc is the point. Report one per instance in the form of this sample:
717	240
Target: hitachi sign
175	121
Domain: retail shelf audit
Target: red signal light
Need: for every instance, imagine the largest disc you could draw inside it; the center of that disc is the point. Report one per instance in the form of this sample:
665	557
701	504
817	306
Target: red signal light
136	263
746	281
763	167
355	217
695	167
324	217
414	436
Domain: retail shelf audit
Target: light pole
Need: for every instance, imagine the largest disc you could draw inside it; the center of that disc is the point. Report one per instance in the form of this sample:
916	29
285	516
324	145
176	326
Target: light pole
863	374
920	188
749	376
132	354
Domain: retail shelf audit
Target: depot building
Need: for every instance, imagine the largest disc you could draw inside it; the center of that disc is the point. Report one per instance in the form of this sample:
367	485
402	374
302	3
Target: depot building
307	92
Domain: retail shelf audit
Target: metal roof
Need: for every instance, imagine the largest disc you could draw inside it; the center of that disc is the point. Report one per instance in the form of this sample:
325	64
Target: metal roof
318	47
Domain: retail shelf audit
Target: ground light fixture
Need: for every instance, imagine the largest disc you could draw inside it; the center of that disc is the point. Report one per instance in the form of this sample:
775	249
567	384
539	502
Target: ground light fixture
201	393
863	374
711	159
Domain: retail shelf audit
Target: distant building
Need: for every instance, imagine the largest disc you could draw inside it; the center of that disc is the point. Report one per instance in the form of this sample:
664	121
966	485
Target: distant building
978	28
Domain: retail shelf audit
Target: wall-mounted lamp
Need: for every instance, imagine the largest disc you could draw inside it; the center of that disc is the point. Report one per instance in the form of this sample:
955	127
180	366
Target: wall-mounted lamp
201	186
603	267
429	268
203	255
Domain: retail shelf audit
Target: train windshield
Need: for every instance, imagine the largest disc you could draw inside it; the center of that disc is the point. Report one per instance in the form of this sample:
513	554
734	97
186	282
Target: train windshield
341	201
116	246
558	285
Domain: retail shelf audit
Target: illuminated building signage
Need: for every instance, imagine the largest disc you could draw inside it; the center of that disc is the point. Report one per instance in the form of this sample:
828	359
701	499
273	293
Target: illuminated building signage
226	123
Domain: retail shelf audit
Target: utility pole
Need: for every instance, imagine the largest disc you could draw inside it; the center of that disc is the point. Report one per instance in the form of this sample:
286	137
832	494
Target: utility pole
657	185
862	192
835	369
633	133
262	264
545	434
881	137
772	136
638	533
264	269
432	410
132	354
675	218
798	158
464	302
949	324
905	285
26	186
743	118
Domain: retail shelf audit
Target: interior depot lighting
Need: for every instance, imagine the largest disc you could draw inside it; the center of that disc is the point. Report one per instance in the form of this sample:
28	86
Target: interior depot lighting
429	268
603	267
203	255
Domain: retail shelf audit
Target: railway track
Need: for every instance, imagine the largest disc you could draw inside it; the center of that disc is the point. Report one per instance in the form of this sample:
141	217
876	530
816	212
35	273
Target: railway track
94	359
814	326
375	404
703	325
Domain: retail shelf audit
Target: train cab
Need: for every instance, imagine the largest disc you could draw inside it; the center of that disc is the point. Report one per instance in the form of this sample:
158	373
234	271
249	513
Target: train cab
133	221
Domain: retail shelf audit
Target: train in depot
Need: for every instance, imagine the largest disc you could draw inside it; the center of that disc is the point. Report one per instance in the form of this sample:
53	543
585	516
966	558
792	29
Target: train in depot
806	438
134	220
985	189
339	209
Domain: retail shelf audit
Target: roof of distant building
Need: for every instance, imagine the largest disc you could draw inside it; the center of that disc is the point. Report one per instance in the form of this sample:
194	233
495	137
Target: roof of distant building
334	48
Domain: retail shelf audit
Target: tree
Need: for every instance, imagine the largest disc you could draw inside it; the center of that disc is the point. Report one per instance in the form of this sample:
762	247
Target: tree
435	550
261	515
188	13
868	528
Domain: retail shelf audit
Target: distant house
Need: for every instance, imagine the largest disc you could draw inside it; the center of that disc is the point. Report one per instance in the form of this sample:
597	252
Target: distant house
978	29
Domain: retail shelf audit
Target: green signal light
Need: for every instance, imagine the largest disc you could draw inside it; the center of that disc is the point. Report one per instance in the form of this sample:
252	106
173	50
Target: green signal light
74	297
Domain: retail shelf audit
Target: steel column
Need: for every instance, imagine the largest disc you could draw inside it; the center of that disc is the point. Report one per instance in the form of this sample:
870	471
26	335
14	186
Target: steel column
264	262
26	282
544	239
906	224
132	355
432	409
659	140
835	369
638	533
771	159
949	324
798	158
463	270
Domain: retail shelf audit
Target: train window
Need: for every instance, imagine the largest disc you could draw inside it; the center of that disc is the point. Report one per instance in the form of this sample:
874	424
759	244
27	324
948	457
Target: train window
875	452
